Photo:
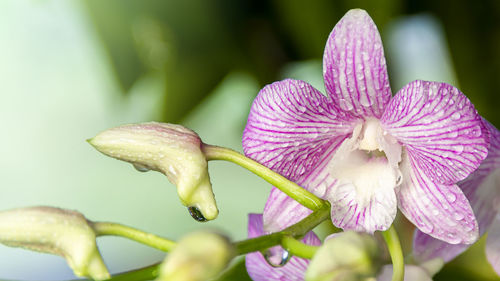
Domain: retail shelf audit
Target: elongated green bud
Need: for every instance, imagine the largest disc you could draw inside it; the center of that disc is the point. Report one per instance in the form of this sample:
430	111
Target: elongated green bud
170	149
55	231
199	256
346	256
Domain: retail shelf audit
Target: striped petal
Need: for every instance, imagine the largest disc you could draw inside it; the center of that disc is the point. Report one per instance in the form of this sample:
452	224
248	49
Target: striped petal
442	211
481	188
291	125
493	245
426	248
354	66
440	129
260	270
282	211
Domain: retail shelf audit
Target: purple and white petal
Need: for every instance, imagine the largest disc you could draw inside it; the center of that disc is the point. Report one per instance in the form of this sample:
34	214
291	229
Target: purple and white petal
354	66
426	248
260	270
493	245
282	211
440	129
442	211
481	188
291	125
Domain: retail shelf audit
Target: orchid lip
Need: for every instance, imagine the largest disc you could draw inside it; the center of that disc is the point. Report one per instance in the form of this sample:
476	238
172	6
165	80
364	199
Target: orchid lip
361	162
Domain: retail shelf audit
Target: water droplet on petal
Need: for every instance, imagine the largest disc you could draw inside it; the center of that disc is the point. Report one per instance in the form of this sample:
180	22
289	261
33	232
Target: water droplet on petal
196	214
140	168
365	101
426	228
451	223
459	149
452	238
276	256
458	216
426	200
451	197
346	105
301	108
455	116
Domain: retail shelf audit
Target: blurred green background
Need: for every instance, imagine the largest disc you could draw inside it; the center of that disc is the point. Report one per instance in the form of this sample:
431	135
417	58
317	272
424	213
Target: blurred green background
69	69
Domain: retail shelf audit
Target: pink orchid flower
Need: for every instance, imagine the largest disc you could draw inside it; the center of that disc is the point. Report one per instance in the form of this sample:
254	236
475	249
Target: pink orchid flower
362	149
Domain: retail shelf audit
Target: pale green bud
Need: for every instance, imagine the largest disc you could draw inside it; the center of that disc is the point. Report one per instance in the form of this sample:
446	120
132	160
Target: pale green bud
170	149
346	256
198	256
412	273
55	231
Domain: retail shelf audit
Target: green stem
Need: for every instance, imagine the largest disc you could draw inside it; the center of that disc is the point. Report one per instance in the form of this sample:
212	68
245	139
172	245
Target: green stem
291	189
398	265
298	248
109	228
297	230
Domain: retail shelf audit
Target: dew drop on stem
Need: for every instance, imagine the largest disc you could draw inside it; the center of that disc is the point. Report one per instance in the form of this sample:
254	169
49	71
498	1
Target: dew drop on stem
276	256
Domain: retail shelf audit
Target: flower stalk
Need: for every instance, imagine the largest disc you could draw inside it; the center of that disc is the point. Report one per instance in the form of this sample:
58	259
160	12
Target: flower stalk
292	189
295	231
116	229
394	246
298	248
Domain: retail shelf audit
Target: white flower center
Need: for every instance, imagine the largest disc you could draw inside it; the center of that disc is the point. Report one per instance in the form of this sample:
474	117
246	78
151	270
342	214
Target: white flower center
369	135
368	161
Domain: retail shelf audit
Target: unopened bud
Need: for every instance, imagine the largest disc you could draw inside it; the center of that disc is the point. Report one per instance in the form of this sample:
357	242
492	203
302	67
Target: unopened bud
345	256
55	231
199	256
170	149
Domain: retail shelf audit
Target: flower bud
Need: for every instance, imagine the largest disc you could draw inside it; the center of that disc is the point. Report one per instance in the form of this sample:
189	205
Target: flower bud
197	257
167	148
345	256
55	231
412	273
